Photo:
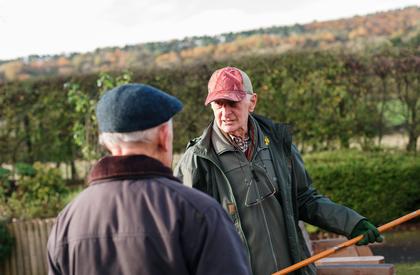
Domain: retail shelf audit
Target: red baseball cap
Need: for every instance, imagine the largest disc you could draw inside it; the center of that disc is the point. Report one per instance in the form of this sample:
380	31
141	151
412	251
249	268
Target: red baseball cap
228	83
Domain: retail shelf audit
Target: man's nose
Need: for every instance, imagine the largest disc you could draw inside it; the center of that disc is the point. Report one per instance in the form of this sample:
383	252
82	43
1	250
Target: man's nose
226	109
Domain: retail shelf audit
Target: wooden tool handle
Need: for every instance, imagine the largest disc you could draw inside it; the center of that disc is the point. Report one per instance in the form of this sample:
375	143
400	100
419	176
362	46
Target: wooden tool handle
353	241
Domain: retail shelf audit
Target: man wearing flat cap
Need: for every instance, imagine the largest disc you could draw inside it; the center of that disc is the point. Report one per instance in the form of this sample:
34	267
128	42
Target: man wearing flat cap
249	164
136	217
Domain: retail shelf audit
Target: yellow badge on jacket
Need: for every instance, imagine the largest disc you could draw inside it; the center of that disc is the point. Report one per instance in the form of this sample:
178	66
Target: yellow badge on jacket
266	140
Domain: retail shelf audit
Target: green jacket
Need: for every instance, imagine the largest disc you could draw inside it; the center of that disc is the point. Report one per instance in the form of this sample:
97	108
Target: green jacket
200	168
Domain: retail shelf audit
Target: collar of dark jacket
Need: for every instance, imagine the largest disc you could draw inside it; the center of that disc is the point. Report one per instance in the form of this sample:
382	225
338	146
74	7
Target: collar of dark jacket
221	144
202	144
132	167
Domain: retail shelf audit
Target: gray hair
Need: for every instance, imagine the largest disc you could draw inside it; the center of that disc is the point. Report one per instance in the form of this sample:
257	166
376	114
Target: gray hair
249	96
145	136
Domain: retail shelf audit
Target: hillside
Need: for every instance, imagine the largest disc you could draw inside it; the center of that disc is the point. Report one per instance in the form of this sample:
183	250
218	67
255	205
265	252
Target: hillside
397	27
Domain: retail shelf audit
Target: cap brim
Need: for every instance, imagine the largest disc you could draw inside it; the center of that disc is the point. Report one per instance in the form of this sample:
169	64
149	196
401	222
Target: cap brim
227	95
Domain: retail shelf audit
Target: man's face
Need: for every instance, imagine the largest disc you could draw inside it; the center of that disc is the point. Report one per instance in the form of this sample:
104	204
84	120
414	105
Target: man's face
232	117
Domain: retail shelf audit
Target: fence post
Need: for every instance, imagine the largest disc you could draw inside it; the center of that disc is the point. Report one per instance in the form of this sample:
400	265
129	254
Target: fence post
29	254
43	232
19	261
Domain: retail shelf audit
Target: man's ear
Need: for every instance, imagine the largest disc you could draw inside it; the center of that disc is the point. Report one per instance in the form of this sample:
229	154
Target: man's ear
114	149
253	103
164	137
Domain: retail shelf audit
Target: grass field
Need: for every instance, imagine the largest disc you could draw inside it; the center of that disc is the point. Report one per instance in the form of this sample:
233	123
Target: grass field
408	269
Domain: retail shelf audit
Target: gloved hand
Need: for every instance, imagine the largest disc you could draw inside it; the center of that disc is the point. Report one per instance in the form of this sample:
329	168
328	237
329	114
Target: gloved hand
371	234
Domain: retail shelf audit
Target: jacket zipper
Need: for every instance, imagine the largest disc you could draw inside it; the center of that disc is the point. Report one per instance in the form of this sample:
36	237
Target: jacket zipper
234	202
263	212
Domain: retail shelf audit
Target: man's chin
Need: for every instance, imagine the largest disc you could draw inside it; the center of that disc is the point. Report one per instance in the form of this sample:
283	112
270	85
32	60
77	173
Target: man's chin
229	129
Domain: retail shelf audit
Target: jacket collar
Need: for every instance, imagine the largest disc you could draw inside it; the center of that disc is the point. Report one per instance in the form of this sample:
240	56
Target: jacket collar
221	144
277	133
259	136
132	166
219	141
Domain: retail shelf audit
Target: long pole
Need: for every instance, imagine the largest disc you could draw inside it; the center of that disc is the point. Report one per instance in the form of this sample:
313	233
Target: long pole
353	241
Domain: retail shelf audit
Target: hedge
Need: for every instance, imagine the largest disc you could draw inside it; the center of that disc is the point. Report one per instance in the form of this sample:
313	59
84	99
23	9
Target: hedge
329	97
379	185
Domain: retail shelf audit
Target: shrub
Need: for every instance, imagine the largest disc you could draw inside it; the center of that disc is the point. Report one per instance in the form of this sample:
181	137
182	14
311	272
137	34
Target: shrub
25	169
6	184
4	173
6	242
38	194
379	185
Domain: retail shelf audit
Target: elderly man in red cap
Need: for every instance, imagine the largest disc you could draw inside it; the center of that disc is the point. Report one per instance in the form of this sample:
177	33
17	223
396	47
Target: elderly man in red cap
250	165
136	217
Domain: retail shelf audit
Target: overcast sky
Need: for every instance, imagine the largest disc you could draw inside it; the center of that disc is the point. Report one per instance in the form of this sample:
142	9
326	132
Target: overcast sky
64	26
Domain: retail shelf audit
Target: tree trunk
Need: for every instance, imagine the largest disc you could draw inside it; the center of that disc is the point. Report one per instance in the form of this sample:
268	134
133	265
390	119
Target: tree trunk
27	135
73	170
412	141
381	113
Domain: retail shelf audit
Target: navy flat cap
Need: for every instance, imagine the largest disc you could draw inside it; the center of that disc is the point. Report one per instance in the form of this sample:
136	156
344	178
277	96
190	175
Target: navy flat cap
134	107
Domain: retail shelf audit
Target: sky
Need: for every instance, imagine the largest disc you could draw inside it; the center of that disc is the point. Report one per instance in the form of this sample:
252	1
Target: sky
47	27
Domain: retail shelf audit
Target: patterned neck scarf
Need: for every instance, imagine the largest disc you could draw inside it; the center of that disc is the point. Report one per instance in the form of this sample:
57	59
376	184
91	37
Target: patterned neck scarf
241	143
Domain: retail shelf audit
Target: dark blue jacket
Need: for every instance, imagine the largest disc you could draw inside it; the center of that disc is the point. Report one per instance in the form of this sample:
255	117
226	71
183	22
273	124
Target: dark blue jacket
136	218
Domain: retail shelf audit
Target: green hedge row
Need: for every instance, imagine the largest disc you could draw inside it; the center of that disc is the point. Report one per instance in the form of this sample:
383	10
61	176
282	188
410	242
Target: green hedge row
330	98
379	185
